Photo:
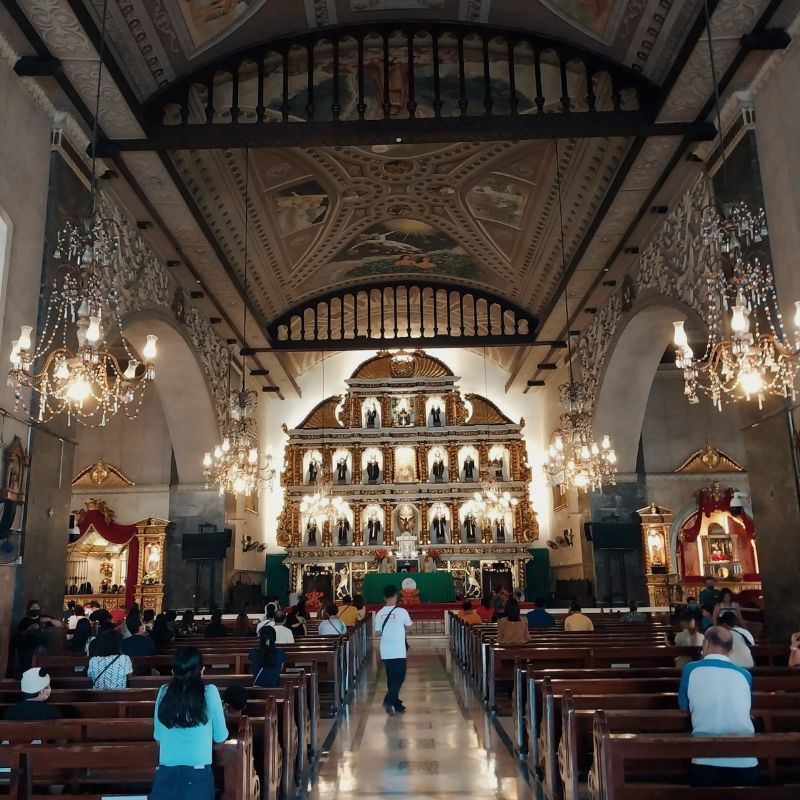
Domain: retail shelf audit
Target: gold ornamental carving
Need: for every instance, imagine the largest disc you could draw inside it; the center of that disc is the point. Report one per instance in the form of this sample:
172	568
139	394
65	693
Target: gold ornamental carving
485	412
422	464
421	416
358	530
424	531
357	470
101	474
384	365
285	535
386	411
388	526
709	459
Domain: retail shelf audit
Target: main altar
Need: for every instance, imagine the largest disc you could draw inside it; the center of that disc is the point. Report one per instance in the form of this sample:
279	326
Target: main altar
405	474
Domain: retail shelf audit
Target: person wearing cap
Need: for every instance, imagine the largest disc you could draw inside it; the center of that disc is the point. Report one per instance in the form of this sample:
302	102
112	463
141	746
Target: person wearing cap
35	687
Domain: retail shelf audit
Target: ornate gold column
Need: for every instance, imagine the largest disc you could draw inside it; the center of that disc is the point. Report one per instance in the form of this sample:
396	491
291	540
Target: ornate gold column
388	464
453	470
450	408
294	522
486	532
358	532
151	534
326	533
386	411
388	529
424	532
515	461
421	416
357	452
657	550
483	460
422	463
455	523
518	521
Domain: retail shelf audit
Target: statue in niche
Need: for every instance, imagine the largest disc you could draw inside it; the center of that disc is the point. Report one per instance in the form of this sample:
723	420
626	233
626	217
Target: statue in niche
439	528
428	564
373	528
497	465
469	469
403	417
500	530
406	520
436	416
437	469
311	533
343	529
373	470
341	470
470	527
342	581
406	469
152	559
313	471
655	545
473	588
372	415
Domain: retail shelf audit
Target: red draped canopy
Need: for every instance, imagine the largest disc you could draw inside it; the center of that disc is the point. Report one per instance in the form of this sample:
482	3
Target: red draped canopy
115	534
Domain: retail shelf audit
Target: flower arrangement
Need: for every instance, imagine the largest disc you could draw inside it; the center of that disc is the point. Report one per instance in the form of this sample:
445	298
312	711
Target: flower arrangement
379	555
434	554
314	601
149	579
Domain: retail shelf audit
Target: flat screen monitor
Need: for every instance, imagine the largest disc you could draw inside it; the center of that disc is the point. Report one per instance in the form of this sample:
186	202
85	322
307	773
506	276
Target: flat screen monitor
210	546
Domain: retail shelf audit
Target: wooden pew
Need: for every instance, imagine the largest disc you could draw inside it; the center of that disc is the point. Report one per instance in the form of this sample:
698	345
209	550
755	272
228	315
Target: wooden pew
107	767
614	751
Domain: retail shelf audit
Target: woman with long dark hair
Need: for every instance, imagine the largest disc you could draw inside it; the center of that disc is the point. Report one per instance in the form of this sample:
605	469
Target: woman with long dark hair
109	667
161	634
189	718
266	660
242	625
79	643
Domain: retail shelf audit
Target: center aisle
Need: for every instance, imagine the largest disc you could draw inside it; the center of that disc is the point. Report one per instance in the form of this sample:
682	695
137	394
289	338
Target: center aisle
444	745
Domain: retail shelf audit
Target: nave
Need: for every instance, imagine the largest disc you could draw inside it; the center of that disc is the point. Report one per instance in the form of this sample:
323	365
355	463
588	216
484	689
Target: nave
445	745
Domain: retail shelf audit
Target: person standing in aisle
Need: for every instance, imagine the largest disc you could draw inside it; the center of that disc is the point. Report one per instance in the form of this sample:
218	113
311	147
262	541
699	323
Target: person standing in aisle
391	623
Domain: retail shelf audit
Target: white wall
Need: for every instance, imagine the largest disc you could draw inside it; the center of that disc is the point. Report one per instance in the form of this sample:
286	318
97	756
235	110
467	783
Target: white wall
469	366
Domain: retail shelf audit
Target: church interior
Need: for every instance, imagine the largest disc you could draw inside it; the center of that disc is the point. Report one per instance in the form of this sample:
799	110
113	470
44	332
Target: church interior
490	302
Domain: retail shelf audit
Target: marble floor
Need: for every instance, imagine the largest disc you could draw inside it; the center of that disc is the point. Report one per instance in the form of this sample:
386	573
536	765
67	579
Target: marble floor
444	746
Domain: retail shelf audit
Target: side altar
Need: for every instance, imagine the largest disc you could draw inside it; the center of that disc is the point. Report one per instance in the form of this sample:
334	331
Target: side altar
404	473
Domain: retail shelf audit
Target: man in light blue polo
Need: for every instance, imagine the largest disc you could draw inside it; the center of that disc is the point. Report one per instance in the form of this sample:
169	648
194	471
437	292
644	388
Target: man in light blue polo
718	693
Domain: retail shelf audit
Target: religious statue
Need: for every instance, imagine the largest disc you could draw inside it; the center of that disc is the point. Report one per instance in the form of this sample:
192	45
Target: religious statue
343	528
470	527
473	587
469	469
428	564
311	533
341	470
406	520
437	469
499	530
373	470
403	417
385	565
372	414
405	470
373	528
152	559
313	469
342	580
439	528
436	416
497	463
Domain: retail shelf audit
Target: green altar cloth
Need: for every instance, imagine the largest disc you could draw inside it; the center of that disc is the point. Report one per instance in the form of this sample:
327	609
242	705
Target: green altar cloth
434	587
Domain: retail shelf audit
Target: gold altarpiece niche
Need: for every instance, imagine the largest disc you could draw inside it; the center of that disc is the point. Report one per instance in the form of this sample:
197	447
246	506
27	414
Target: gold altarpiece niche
401	456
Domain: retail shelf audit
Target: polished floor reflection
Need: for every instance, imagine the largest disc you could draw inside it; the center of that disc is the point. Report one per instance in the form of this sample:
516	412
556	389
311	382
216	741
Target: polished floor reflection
445	745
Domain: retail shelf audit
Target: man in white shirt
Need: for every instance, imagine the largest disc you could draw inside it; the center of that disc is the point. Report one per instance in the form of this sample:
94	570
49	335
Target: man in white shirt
743	640
275	619
718	693
391	623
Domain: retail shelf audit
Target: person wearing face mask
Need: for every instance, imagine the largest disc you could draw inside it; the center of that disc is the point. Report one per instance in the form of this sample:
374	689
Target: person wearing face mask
33	634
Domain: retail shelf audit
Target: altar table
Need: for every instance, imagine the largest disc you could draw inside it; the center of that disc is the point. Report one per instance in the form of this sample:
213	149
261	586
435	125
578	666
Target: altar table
434	587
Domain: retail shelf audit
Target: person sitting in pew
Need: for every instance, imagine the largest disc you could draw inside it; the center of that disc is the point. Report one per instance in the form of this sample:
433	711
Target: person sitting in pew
743	640
188	718
241	627
266	660
161	633
576	620
468	614
296	618
633	614
148	617
216	628
348	613
360	607
234	701
81	637
35	689
485	610
138	643
269	616
331	625
688	636
187	626
511	629
718	695
538	617
109	667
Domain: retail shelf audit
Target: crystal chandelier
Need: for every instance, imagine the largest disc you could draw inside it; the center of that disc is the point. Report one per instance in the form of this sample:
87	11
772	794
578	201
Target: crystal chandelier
88	382
235	466
574	458
748	355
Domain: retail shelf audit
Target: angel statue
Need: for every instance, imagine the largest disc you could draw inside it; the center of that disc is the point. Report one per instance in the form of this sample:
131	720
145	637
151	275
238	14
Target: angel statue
473	588
342	580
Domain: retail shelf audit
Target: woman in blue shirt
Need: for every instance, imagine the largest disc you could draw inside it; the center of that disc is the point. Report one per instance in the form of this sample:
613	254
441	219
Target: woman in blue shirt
188	718
266	660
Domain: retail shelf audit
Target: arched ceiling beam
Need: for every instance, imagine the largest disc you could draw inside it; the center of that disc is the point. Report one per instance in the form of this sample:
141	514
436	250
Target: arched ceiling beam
410	82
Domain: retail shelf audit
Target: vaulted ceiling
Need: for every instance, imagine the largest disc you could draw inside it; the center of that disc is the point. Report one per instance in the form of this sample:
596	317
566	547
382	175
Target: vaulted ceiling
481	214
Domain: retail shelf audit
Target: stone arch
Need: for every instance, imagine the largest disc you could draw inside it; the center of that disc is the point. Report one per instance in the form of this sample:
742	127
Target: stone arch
183	389
629	367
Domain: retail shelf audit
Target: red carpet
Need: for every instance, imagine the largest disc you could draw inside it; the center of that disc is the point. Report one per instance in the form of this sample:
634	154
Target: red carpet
431	610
